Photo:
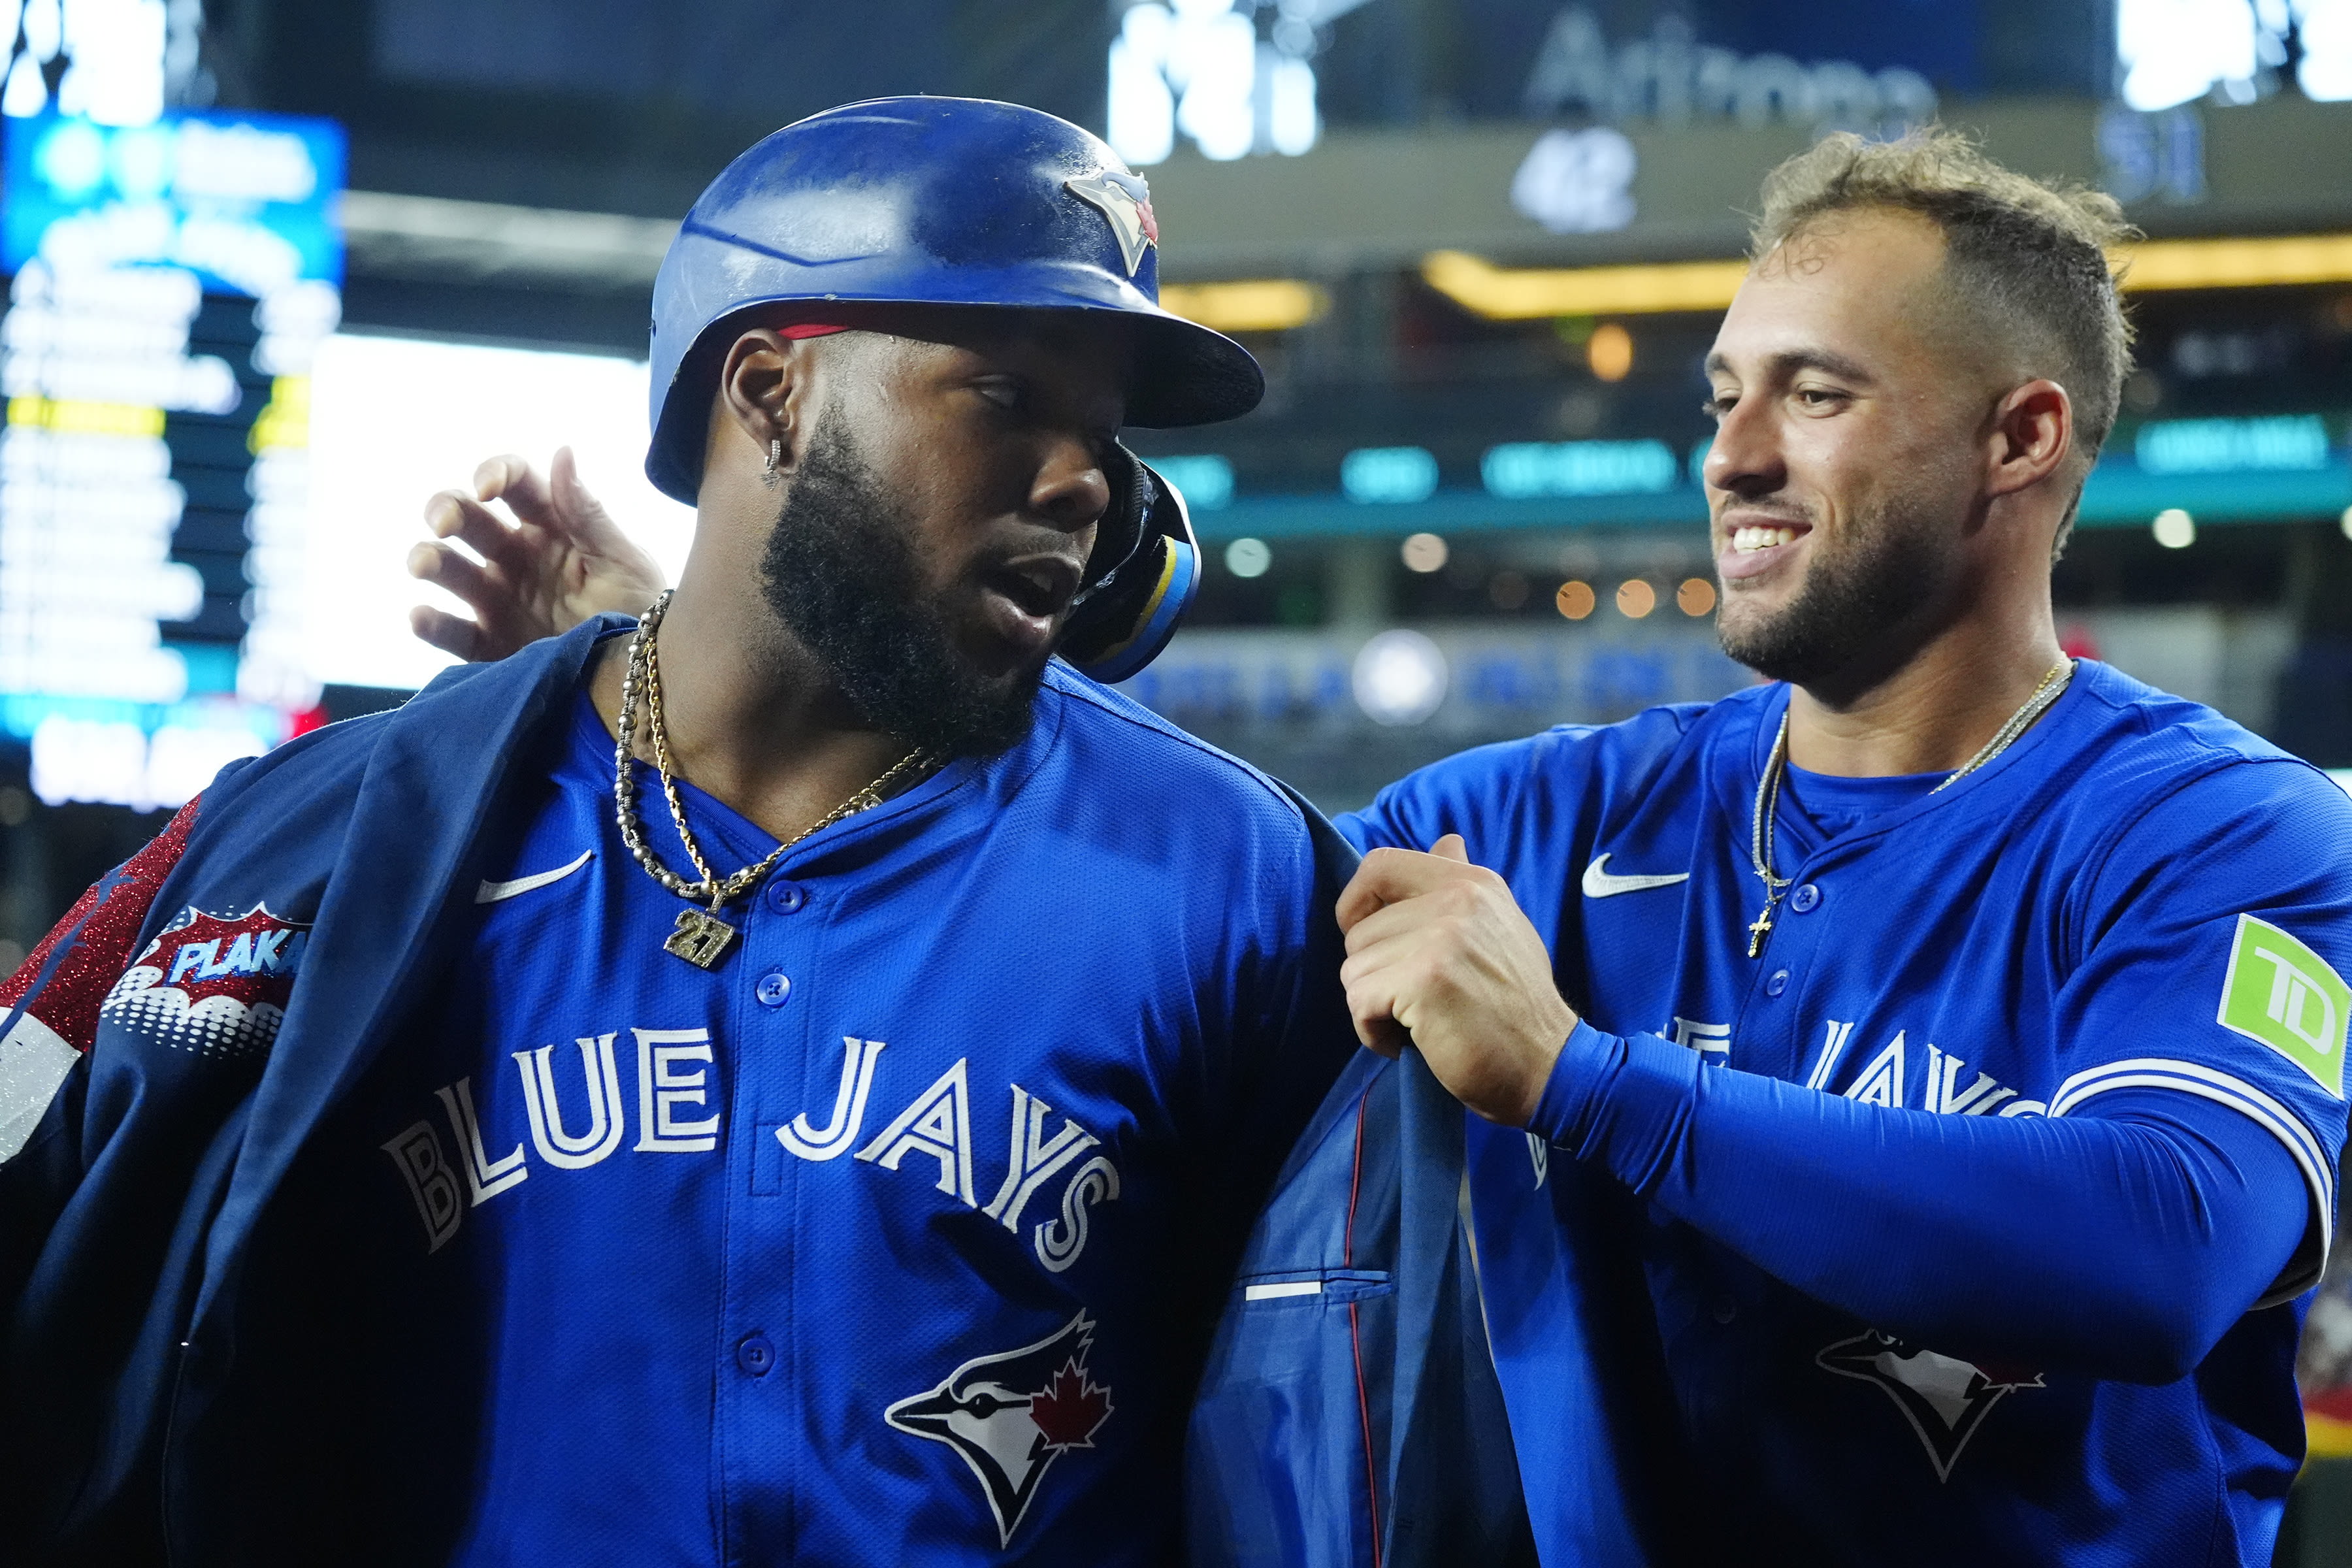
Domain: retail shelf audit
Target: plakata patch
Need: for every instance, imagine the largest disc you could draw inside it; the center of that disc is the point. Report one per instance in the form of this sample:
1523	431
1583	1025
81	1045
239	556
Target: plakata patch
211	984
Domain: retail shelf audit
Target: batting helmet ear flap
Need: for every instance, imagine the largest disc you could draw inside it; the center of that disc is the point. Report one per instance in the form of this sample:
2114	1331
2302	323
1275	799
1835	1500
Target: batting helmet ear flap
1130	606
1120	531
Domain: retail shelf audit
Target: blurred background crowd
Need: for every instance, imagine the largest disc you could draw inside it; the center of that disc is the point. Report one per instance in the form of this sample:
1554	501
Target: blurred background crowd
280	270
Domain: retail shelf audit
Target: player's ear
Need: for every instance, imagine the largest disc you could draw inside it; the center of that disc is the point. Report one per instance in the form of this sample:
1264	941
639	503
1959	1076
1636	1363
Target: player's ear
764	386
2032	430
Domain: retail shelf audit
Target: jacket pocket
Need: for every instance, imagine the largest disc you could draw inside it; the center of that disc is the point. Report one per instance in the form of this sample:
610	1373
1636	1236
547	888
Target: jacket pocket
1290	1427
1304	1287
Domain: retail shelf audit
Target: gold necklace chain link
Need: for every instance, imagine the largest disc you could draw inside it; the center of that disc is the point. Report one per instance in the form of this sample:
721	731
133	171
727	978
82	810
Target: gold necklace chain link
642	679
2053	685
1767	787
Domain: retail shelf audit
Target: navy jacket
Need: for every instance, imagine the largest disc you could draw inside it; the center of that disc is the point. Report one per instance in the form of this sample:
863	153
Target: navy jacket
1357	1421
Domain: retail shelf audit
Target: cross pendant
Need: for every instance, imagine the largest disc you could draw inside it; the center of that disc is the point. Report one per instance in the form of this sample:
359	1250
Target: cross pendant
701	938
1756	933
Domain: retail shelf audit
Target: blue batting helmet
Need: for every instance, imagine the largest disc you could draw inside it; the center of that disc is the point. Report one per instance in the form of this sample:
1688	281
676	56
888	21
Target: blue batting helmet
954	201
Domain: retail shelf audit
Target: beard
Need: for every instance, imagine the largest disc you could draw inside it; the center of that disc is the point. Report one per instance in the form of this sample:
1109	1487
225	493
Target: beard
1852	600
841	571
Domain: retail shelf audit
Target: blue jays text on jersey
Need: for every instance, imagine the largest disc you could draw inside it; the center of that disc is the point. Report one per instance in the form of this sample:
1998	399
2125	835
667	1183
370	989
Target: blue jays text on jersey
895	1238
2137	907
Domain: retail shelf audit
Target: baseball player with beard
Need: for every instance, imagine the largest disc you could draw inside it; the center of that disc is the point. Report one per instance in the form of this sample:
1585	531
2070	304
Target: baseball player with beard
780	1077
1911	1090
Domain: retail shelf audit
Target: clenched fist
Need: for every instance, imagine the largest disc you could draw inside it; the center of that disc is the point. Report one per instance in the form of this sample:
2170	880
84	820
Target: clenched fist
1440	958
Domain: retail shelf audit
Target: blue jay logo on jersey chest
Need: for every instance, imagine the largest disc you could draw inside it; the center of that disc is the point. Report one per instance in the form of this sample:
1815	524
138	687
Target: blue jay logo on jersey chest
1010	1416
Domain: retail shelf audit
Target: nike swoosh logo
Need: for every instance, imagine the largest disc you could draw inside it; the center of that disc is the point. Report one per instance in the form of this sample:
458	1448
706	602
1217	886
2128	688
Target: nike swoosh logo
1601	884
490	893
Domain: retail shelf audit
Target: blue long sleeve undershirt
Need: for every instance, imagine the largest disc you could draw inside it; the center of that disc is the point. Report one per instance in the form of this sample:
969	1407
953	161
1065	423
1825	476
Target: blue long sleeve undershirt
2118	1244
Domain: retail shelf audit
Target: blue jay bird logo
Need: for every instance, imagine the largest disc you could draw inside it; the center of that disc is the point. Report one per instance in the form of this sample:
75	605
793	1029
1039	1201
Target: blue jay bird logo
1944	1398
1010	1415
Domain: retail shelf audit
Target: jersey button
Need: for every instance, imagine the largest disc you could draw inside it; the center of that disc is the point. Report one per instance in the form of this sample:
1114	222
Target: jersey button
1772	987
1803	900
786	897
756	1355
1726	1307
774	986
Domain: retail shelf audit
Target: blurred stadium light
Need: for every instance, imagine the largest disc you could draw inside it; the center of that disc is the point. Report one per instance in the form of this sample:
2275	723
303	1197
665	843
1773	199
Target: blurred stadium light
1400	678
1505	294
1205	482
1384	476
1202	68
2175	50
1522	469
1257	305
2235	263
108	59
1513	294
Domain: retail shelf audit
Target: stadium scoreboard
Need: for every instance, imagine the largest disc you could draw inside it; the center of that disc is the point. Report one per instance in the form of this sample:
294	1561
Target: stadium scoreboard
171	284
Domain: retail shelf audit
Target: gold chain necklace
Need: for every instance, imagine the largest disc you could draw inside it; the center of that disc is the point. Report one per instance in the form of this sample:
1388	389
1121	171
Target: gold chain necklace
700	938
1768	789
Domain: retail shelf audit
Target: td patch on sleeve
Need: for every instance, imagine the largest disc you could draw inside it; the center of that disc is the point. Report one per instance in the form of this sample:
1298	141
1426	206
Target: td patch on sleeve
2286	996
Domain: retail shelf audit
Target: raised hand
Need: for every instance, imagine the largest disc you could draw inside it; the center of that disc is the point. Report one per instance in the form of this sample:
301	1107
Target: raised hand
560	560
1440	958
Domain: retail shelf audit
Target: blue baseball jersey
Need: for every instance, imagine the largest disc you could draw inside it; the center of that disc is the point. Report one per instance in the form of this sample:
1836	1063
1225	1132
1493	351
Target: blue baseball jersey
2137	899
896	1237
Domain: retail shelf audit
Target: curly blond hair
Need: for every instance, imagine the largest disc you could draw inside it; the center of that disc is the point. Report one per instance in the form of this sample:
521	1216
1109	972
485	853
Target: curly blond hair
2025	261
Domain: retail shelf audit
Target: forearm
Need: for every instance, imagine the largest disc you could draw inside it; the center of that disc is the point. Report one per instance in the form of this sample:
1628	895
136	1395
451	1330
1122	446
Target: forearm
2121	1246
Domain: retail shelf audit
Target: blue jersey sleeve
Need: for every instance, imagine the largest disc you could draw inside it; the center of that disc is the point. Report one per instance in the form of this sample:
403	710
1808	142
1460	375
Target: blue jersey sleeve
2209	943
2123	1245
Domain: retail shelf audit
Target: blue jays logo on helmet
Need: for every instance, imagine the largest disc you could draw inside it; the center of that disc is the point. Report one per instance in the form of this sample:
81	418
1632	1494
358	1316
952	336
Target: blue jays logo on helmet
1010	1415
1126	200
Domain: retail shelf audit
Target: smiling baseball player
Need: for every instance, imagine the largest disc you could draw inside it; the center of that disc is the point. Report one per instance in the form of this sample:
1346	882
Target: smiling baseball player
1931	1062
1912	1088
782	1079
